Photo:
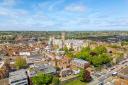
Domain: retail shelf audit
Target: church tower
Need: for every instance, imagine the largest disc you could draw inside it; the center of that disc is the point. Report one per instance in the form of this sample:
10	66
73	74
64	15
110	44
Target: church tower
50	43
63	39
63	36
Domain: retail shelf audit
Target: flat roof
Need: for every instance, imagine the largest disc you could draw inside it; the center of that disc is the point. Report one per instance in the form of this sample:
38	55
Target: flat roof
45	68
17	75
79	60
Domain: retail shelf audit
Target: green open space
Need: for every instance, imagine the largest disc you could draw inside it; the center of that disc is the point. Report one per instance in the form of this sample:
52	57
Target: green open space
76	82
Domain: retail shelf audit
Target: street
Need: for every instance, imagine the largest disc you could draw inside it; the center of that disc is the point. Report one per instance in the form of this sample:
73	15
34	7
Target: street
111	70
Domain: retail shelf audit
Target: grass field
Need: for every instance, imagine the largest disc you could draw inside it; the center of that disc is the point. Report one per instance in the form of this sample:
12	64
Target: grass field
75	82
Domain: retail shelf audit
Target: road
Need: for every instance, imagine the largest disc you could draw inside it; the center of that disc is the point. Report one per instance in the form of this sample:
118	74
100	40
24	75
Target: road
115	68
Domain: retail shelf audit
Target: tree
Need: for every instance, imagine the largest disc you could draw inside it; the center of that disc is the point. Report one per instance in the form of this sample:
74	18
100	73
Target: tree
66	49
97	57
100	59
100	49
86	49
105	58
70	55
20	62
81	76
96	61
85	76
55	81
71	49
42	79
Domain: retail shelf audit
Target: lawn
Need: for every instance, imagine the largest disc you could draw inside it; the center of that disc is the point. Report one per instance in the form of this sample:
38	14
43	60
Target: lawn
75	82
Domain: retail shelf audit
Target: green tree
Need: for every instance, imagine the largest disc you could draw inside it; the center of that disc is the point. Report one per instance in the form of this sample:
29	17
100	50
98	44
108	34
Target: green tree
55	81
42	79
84	75
96	61
100	59
100	49
86	49
71	49
20	62
97	57
105	58
66	49
70	55
81	75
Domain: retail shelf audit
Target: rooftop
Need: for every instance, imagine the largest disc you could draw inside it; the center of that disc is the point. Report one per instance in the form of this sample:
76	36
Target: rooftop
17	75
79	60
45	68
1	64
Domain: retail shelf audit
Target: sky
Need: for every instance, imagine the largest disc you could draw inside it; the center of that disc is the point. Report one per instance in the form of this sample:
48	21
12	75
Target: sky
63	15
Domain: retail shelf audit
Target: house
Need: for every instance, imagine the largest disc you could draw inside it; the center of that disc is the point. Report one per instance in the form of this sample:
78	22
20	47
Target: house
31	72
48	69
79	63
4	81
2	70
119	81
64	63
24	53
66	72
1	64
18	77
35	58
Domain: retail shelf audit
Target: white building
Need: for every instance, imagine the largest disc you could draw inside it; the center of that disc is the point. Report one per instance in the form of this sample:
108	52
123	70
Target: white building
79	63
75	44
48	69
35	58
24	53
1	64
18	77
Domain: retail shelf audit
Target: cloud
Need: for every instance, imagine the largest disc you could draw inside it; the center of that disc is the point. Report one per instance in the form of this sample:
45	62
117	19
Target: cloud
8	12
56	15
50	5
13	18
75	8
55	4
9	3
7	9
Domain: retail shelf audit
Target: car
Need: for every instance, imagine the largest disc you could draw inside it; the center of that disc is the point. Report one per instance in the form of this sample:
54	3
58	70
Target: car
101	83
112	68
114	73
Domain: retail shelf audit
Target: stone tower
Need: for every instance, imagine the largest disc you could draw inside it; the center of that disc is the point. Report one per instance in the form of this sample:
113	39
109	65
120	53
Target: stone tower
50	43
63	39
63	36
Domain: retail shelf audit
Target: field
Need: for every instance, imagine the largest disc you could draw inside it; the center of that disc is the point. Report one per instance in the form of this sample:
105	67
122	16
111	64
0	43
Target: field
75	82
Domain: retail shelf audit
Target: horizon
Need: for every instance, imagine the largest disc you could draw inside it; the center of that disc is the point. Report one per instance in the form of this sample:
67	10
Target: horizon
63	15
64	31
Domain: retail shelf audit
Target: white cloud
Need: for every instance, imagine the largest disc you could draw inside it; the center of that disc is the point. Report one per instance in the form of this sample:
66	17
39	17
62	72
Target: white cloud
9	3
48	5
54	5
19	18
75	8
8	12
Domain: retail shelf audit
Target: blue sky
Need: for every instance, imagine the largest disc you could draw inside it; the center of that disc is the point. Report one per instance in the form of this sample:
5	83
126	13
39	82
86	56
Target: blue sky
67	15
